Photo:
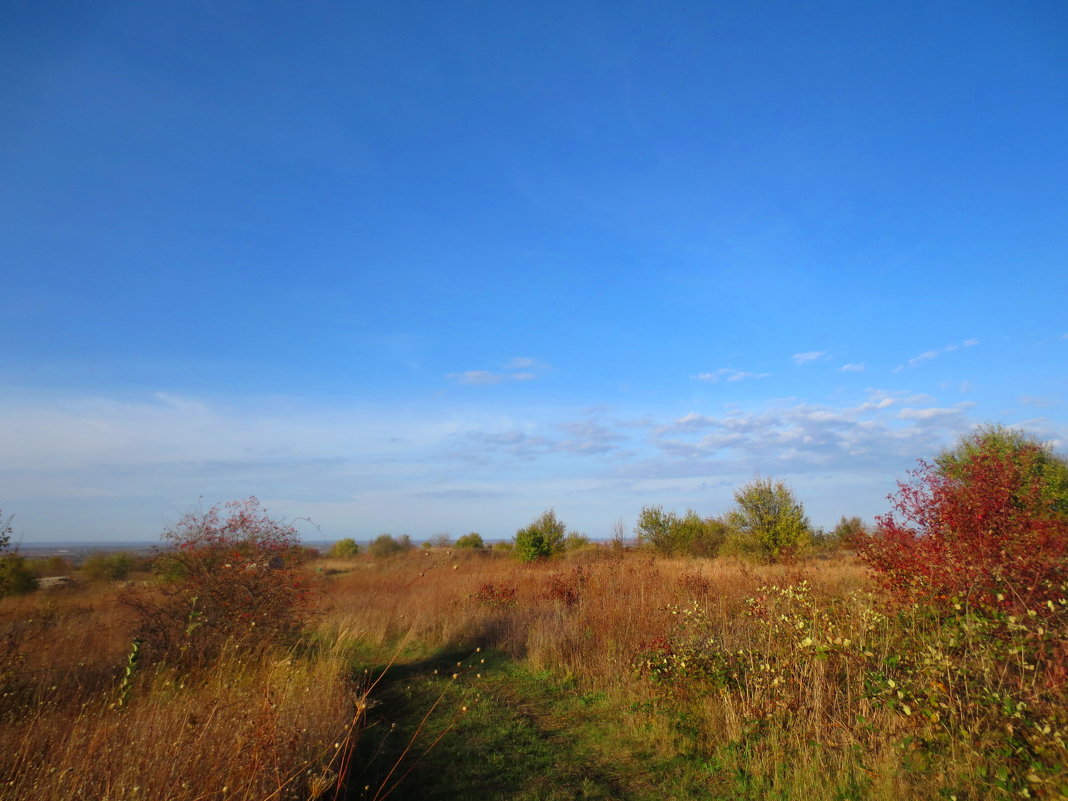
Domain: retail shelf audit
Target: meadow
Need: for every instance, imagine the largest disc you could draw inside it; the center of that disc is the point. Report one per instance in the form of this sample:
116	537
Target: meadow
608	672
740	657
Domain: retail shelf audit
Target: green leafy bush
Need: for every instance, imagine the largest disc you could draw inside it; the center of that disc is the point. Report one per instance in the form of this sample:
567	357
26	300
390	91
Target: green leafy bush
50	566
768	523
387	545
108	566
16	577
471	540
672	535
574	541
543	538
344	549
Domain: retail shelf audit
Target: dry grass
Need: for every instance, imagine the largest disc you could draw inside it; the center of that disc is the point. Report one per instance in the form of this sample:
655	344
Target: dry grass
254	726
787	678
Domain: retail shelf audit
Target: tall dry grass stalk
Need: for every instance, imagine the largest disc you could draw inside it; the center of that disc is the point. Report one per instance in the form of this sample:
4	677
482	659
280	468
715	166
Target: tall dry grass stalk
793	680
274	724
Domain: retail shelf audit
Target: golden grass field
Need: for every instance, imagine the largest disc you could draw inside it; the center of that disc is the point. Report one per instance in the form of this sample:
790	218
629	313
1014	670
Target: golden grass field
774	681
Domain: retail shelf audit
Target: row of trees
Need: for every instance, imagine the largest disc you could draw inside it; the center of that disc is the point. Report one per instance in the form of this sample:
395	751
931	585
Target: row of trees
767	523
986	523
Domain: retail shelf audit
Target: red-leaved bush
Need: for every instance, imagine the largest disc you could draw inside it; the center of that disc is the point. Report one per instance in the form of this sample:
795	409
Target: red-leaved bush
230	579
985	535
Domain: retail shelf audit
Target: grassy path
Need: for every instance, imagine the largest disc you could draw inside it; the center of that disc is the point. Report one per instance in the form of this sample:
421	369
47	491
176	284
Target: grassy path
501	731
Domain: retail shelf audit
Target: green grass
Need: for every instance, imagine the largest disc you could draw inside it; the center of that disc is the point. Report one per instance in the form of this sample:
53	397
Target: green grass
510	732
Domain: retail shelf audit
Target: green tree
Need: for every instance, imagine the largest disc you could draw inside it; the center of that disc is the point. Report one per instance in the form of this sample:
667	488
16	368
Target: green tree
672	535
108	567
344	549
768	522
16	577
471	540
387	545
543	538
656	528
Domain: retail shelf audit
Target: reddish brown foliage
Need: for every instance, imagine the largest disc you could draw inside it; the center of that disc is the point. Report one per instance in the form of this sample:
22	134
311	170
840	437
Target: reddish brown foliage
231	580
985	535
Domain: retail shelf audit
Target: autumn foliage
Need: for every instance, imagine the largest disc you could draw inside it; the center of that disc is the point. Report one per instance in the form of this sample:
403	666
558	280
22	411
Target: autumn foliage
230	579
986	534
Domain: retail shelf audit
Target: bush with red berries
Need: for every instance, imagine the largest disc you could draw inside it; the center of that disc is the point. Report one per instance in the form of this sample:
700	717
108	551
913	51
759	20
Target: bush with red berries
229	580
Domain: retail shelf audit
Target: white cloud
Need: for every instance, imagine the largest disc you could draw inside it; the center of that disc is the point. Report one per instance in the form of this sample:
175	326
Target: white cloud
124	466
851	368
927	355
727	374
934	413
476	378
808	356
519	363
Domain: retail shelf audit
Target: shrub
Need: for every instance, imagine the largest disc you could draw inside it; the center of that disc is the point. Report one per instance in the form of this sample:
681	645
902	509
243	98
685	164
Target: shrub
768	522
107	567
1047	469
543	538
671	535
50	566
472	540
575	541
16	577
983	531
386	545
849	533
438	541
233	582
656	528
344	549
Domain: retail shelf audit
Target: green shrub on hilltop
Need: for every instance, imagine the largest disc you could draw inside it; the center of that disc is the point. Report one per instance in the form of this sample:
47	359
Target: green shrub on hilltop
768	523
672	535
16	577
344	549
543	538
108	566
472	540
387	545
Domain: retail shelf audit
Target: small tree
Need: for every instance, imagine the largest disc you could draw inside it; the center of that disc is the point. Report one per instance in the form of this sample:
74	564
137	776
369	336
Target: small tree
576	541
438	541
344	549
108	567
387	545
982	528
543	538
1047	469
16	576
768	521
656	529
672	535
232	582
849	533
471	540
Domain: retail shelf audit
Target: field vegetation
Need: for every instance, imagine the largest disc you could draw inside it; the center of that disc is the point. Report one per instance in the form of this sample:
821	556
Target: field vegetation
923	657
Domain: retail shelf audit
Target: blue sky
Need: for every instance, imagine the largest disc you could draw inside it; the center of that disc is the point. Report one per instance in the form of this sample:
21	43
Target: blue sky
435	267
